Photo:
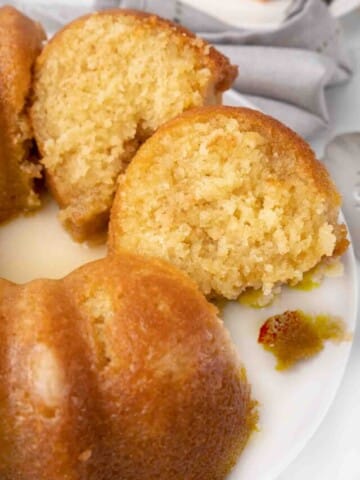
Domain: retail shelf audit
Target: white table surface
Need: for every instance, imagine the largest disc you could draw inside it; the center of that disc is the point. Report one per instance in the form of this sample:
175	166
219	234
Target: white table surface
334	451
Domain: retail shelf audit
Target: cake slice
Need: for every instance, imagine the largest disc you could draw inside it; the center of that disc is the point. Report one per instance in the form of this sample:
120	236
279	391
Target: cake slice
120	371
232	197
20	44
103	85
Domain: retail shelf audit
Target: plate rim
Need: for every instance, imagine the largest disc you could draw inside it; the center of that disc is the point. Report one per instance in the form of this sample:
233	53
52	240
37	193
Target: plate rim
351	321
353	273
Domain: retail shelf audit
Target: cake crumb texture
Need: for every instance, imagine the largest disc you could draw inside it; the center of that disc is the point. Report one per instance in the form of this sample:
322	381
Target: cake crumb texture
102	86
232	197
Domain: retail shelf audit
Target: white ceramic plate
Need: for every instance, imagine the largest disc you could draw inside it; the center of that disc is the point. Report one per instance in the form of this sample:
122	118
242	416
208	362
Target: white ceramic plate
36	246
292	404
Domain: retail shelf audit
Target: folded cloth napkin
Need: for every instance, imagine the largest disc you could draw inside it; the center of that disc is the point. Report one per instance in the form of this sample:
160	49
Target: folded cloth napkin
284	71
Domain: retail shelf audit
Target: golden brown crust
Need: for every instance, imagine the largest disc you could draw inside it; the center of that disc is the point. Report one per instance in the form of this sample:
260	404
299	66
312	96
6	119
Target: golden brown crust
120	370
21	42
342	242
224	72
284	138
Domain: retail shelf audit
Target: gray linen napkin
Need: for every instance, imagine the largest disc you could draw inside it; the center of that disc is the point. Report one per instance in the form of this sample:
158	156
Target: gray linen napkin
284	71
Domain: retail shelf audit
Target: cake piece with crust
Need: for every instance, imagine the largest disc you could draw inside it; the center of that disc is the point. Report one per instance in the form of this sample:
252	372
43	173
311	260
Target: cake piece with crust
21	42
232	197
122	370
103	85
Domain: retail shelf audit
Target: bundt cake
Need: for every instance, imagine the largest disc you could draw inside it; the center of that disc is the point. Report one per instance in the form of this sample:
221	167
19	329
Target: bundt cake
102	86
20	44
121	371
230	196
